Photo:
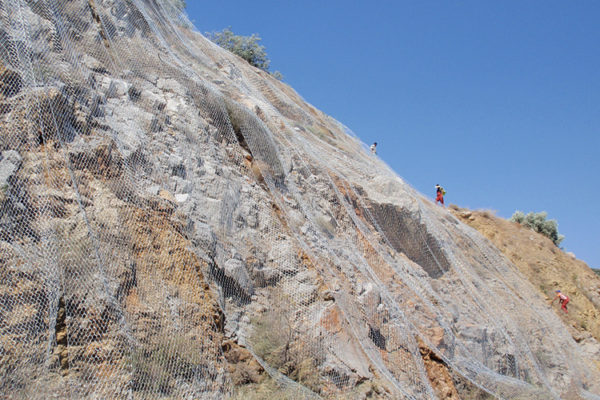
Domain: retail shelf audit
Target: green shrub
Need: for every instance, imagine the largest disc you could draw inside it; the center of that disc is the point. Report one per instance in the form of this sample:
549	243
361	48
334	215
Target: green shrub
269	389
247	47
166	363
538	222
277	75
277	340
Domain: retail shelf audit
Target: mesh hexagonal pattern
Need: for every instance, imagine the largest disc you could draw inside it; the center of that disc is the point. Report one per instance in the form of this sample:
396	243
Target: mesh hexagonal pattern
178	224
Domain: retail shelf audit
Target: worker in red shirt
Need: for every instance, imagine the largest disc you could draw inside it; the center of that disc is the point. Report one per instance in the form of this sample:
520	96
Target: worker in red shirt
440	192
563	299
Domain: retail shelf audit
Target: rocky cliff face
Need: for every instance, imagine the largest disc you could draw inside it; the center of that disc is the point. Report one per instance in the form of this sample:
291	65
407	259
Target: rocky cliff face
548	269
178	224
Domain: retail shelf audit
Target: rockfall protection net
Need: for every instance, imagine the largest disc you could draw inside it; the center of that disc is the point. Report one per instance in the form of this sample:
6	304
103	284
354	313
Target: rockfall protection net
161	201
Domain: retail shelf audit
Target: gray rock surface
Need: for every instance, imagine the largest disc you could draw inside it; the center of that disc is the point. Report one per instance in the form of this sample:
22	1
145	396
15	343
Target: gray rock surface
175	198
236	270
9	164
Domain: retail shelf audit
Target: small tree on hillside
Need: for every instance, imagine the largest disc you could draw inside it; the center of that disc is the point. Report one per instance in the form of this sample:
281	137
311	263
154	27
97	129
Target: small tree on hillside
538	222
247	47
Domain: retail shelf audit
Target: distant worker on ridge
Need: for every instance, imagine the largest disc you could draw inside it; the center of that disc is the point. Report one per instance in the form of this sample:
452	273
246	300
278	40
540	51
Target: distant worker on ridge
563	299
440	192
374	148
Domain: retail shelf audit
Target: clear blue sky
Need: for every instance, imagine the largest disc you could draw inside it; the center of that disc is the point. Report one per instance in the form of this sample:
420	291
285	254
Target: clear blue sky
498	101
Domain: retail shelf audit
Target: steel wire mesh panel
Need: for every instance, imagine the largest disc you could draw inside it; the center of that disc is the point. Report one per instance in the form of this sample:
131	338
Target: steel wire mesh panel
178	224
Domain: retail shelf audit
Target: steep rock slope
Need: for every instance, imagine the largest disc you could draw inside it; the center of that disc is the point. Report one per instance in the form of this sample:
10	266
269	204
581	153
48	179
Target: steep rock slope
548	268
178	224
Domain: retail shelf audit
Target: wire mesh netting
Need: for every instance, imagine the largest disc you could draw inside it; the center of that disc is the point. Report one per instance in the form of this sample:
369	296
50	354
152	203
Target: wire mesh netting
178	224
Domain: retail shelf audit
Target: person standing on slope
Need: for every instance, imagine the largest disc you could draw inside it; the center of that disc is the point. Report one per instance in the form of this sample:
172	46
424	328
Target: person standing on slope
563	299
373	148
440	192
